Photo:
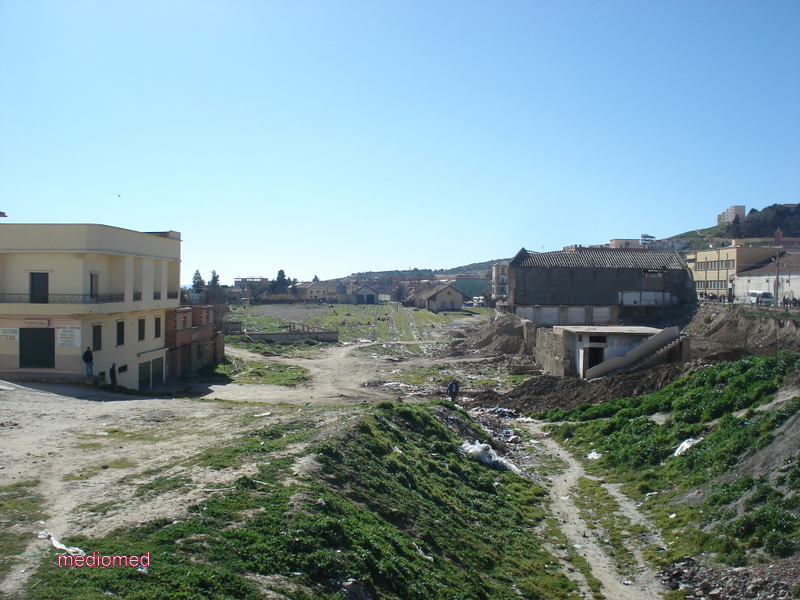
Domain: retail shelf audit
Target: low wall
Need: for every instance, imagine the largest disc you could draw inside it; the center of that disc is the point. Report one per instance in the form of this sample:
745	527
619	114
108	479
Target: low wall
320	336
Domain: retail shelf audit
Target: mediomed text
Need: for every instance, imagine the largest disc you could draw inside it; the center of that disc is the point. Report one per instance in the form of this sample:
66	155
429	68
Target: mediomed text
104	560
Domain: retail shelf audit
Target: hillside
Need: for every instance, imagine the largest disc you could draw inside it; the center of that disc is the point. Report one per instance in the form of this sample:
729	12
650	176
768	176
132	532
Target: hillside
479	268
757	223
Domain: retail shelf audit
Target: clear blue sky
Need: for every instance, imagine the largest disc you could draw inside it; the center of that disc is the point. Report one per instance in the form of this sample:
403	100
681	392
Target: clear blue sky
329	137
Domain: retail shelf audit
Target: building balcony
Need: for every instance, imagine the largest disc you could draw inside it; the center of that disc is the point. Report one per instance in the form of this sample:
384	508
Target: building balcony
61	298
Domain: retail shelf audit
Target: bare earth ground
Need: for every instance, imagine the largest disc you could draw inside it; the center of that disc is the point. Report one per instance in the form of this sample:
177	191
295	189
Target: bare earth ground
89	450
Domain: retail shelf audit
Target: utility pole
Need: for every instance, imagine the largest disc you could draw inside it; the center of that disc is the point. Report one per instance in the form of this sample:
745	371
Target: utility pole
777	277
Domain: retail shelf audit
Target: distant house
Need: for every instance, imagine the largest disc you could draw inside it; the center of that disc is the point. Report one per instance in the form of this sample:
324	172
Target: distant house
364	295
597	286
438	297
318	290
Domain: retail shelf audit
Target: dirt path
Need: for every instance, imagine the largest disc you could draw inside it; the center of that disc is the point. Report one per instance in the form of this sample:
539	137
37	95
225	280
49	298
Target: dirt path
584	535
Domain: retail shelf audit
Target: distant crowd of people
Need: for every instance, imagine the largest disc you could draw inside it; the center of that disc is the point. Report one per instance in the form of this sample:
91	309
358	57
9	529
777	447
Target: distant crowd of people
787	302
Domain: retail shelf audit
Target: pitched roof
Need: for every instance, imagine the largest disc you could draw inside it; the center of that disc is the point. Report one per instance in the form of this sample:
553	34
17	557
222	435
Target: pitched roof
603	259
789	264
435	290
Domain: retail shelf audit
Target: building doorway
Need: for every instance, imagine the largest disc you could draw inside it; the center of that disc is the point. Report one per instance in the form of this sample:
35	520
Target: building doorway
37	348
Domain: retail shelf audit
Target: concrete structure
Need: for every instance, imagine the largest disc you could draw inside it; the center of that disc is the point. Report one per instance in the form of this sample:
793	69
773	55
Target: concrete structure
598	286
590	352
66	287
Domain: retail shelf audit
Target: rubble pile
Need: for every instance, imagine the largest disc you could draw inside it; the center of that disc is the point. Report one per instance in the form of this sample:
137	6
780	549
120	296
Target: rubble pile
774	582
502	334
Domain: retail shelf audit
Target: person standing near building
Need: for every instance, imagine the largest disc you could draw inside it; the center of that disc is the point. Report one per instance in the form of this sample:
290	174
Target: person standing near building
88	359
112	374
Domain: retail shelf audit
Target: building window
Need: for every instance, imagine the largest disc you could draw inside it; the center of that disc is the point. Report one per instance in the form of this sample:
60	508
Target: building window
158	327
94	285
120	333
97	337
141	329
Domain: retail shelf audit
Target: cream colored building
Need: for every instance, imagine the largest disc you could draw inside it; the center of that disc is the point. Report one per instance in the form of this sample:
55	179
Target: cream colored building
66	287
715	270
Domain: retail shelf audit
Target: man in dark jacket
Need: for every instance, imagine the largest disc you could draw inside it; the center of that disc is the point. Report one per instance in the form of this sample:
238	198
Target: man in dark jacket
453	389
88	358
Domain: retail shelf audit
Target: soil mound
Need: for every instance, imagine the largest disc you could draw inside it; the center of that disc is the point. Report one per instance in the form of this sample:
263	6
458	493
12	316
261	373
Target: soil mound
501	334
547	391
732	331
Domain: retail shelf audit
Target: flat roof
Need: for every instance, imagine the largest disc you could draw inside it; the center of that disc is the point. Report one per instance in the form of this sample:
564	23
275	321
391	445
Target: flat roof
610	329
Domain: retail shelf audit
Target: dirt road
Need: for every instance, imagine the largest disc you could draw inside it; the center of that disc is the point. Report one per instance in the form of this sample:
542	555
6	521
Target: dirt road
89	451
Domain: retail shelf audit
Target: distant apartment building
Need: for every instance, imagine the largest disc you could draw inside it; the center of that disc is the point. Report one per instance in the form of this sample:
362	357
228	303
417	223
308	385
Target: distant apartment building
500	280
64	288
729	214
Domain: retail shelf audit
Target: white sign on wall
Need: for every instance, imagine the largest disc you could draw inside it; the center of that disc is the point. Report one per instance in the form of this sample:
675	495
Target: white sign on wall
68	335
9	334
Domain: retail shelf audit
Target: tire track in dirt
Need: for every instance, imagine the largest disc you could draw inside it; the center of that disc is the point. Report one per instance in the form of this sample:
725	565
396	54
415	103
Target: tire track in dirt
562	488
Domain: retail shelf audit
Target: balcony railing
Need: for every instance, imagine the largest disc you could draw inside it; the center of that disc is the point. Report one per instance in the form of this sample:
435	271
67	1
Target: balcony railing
62	299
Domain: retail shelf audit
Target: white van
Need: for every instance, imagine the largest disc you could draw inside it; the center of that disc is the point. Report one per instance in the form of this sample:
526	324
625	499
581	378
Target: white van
755	297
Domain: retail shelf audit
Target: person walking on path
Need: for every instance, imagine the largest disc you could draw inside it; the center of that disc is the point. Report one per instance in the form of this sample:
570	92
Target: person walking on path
453	389
88	359
112	373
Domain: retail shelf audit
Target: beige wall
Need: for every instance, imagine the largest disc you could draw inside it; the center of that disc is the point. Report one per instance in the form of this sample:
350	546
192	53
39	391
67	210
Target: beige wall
714	270
143	268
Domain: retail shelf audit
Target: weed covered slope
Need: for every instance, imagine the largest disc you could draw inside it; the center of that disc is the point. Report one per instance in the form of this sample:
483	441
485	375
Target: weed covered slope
389	501
685	443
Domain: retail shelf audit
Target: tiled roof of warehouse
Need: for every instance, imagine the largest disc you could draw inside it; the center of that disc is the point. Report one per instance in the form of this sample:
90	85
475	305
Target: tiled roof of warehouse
609	259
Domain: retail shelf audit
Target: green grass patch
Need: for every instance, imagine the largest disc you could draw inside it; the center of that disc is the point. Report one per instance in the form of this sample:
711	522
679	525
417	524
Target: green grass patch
254	372
739	520
398	508
19	505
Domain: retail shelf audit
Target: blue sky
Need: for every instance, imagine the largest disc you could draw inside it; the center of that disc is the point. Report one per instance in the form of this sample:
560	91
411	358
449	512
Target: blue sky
330	137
